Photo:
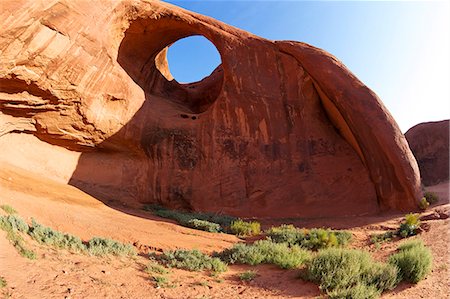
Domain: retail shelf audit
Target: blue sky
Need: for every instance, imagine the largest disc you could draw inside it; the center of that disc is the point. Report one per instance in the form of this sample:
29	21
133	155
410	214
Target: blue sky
400	49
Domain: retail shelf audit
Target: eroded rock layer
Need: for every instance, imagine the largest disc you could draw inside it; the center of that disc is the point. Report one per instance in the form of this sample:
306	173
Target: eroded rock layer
279	129
429	143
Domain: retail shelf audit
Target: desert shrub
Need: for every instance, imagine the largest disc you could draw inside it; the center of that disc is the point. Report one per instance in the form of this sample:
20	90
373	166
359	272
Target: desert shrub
192	260
265	251
423	204
313	239
204	225
410	244
243	254
413	260
48	236
12	225
243	228
8	209
286	234
102	246
384	237
338	271
160	281
410	226
187	218
3	282
248	275
382	276
154	267
343	237
431	197
358	291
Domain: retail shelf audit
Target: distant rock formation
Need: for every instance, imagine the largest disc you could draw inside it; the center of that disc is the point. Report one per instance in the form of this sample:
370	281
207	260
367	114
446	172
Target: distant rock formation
429	143
279	129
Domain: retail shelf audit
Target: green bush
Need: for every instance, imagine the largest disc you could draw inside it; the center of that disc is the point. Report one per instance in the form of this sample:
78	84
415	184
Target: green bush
358	291
410	226
286	234
102	246
243	228
248	275
313	239
8	209
160	281
431	197
423	204
384	237
349	273
13	222
192	260
48	236
265	251
12	225
413	260
204	225
154	267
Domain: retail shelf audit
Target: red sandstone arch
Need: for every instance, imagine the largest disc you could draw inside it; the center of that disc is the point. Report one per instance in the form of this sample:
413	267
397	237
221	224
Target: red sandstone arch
282	128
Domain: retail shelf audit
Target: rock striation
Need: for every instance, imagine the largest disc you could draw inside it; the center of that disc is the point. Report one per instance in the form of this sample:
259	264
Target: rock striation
429	143
279	129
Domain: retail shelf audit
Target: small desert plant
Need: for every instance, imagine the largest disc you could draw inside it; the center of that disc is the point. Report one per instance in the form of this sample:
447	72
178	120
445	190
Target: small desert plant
103	246
154	267
313	239
265	251
248	275
358	291
243	228
204	225
413	260
423	204
384	237
13	224
49	236
349	273
192	260
410	226
286	234
160	281
3	282
431	197
8	209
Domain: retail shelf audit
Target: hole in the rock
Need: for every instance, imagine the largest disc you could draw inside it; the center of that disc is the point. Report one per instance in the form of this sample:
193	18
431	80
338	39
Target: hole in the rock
146	50
184	116
194	117
192	58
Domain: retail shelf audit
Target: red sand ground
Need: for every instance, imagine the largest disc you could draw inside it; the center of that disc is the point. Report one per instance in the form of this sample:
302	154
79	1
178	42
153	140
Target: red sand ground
60	274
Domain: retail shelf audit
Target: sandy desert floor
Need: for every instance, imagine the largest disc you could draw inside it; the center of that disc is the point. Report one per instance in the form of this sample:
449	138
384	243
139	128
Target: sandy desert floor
61	274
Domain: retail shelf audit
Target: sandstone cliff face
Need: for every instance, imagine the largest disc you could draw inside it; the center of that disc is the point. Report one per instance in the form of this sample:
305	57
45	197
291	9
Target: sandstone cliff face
278	129
429	143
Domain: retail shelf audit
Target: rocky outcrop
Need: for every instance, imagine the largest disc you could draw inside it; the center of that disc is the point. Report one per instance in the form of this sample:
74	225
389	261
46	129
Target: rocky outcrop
429	143
278	129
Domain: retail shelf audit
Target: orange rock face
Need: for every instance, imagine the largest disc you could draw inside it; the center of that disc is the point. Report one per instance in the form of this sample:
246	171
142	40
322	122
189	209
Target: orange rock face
279	129
429	143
